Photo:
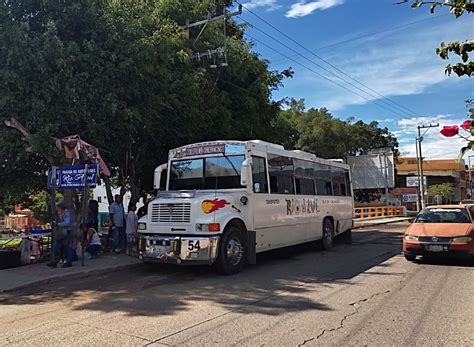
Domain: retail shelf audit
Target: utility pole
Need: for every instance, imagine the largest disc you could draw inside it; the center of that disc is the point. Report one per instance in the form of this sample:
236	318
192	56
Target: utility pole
470	175
418	195
219	51
420	139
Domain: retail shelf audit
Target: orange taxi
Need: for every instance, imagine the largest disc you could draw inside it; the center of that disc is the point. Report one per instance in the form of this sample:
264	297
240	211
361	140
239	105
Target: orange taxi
441	230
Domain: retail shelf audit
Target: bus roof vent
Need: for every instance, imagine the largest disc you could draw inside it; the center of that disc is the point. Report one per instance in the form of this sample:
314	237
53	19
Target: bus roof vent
268	144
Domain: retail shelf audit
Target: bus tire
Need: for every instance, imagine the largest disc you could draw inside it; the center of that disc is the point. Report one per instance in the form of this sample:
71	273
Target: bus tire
232	252
328	234
346	237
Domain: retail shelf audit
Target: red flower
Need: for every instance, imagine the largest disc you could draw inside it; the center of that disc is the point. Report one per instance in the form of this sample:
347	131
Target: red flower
450	130
466	125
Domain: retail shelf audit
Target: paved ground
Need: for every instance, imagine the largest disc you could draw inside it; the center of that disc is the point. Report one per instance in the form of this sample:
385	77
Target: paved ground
360	294
35	274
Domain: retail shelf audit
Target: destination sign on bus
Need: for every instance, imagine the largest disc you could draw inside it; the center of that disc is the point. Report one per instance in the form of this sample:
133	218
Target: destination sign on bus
209	150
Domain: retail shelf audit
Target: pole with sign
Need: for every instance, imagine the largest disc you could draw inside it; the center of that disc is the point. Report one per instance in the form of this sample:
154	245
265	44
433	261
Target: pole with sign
53	211
85	195
73	177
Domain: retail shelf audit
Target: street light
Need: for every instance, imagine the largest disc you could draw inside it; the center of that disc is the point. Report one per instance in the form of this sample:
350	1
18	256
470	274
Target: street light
419	139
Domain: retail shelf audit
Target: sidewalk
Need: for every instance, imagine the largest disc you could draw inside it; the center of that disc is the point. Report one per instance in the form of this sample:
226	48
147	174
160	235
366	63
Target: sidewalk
368	222
24	276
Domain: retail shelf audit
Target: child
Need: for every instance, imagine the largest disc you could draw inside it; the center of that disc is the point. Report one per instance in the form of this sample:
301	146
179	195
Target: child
93	244
131	228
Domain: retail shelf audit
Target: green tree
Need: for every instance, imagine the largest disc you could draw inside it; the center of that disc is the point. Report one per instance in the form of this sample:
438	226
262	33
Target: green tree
444	191
318	132
39	204
120	74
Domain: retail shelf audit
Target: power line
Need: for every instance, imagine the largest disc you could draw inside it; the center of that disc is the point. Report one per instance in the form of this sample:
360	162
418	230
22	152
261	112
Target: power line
333	66
318	74
372	34
323	68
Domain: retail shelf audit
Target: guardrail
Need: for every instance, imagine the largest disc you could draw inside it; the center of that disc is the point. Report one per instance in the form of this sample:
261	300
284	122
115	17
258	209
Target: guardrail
382	211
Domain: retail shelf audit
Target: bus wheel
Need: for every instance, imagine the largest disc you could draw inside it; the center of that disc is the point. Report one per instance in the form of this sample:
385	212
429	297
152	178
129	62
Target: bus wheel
328	234
231	256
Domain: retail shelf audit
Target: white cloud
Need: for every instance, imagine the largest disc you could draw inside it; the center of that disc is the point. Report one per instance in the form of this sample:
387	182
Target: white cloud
301	8
269	4
434	145
393	66
386	120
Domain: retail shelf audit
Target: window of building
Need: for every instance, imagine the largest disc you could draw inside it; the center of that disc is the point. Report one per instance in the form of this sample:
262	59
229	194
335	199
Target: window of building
259	175
280	170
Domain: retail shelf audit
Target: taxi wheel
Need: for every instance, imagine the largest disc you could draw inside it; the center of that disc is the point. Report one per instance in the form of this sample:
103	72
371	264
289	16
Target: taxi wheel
231	256
328	234
410	257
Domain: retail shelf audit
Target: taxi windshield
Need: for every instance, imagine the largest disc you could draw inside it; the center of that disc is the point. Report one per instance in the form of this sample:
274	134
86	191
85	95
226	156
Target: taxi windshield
443	215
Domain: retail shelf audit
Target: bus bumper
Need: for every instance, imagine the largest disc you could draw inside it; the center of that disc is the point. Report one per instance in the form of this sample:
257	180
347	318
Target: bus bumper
183	250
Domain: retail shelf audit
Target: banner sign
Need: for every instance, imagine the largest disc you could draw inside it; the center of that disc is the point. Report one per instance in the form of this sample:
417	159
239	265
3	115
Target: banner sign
72	177
409	197
412	181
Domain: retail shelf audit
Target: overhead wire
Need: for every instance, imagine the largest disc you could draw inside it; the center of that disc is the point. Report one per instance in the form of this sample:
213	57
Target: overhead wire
392	103
319	74
393	28
320	66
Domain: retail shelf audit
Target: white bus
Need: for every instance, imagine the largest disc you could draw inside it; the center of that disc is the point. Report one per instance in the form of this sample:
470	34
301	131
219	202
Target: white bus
226	201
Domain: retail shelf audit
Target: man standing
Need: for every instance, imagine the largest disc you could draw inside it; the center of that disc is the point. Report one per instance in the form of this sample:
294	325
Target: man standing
63	235
117	221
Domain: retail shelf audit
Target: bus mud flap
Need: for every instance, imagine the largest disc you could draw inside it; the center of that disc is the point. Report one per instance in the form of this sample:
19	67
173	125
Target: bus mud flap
251	247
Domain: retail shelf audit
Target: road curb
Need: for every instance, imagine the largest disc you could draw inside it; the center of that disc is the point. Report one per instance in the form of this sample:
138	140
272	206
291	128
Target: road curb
73	276
381	223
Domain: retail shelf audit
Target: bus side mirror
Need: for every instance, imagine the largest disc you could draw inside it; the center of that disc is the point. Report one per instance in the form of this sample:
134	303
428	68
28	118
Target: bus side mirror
157	176
246	172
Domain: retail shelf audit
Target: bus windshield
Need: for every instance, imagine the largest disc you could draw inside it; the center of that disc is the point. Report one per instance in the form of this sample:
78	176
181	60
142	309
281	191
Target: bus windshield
206	173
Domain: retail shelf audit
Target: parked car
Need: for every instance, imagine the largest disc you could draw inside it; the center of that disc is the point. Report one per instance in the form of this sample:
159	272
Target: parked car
443	230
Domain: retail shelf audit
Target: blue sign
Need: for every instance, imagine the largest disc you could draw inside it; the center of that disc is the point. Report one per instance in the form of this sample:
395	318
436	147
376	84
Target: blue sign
72	177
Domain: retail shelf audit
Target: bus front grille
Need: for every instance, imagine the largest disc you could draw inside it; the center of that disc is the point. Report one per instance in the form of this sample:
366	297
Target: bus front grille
171	213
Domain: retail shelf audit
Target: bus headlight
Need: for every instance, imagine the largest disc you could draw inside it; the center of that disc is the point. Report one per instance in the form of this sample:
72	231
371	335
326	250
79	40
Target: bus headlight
141	226
211	227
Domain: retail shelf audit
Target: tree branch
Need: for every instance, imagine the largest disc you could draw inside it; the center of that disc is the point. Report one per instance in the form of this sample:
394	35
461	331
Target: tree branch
27	137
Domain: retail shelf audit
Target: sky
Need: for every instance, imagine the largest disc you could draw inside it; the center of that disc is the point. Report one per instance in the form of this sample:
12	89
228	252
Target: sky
382	51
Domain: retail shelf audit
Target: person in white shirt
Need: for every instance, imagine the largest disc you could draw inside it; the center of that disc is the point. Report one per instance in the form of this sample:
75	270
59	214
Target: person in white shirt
93	244
131	228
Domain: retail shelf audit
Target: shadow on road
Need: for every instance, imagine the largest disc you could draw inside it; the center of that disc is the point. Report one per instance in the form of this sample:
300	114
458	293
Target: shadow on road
446	261
278	284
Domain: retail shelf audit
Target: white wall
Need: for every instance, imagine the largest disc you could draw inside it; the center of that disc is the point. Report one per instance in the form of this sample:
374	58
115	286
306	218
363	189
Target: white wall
100	194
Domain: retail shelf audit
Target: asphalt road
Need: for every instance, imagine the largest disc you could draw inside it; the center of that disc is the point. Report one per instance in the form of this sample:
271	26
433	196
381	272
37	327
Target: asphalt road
359	294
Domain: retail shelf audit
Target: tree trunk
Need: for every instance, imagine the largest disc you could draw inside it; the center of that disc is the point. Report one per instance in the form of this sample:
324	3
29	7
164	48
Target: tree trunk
108	189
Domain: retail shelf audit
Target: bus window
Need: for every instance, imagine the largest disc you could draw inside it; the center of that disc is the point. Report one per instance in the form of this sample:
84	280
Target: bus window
338	181
304	177
322	174
259	175
348	183
280	170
